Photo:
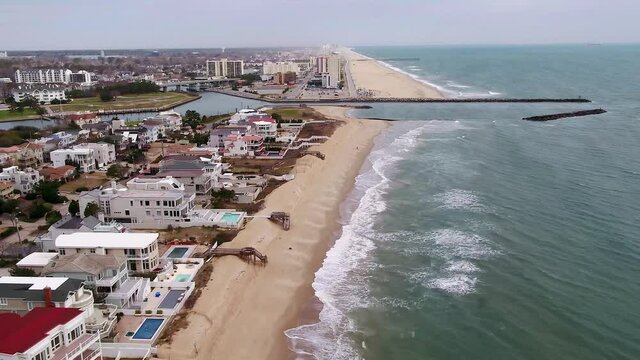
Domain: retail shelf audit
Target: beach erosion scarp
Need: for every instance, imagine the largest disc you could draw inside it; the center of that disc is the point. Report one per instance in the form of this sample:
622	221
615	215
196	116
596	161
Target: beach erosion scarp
244	311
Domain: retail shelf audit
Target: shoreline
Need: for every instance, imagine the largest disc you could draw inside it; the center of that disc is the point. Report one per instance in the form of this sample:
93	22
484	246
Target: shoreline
381	80
245	311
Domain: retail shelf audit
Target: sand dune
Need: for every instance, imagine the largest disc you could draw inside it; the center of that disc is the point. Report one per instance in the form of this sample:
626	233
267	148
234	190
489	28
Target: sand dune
245	309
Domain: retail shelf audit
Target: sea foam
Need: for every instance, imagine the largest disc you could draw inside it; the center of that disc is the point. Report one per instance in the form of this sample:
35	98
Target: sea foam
340	283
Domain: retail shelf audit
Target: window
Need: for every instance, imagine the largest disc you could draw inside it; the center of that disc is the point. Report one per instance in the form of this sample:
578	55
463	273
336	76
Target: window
145	265
126	212
56	342
164	203
41	356
92	250
62	252
166	213
4	302
131	202
29	305
90	278
148	213
146	203
157	203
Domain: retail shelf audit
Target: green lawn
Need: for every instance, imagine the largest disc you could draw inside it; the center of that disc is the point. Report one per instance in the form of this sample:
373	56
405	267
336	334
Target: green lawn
298	113
125	102
28	113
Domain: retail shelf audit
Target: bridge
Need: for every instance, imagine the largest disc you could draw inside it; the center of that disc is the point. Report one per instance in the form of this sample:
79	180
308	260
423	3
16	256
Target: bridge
193	85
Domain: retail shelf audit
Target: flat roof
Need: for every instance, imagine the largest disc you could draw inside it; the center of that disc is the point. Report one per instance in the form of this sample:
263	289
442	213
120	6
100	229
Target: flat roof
92	240
37	283
37	259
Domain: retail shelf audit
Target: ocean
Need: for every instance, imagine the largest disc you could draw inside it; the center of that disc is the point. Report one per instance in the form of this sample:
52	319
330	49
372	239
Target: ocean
472	234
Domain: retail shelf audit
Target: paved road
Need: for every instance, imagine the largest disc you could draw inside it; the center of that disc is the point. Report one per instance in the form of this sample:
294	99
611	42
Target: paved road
297	90
351	86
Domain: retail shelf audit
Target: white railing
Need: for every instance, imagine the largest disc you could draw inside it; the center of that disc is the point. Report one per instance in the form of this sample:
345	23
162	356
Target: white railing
79	348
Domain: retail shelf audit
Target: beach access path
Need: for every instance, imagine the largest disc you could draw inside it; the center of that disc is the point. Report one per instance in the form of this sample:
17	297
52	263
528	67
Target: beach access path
245	309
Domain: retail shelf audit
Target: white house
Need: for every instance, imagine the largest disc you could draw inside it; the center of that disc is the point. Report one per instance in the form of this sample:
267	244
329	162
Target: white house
140	249
155	129
48	333
63	138
243	145
84	157
264	126
103	153
172	120
24	181
151	201
72	224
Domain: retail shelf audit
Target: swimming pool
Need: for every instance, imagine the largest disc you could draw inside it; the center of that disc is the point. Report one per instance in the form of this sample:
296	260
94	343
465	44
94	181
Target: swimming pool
231	218
178	252
147	329
171	300
183	277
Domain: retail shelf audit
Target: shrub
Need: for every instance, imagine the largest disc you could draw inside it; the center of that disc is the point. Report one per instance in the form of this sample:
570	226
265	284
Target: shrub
159	312
7	232
138	311
81	189
148	312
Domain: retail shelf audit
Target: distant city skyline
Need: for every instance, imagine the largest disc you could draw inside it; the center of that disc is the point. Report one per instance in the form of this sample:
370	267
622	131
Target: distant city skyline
159	24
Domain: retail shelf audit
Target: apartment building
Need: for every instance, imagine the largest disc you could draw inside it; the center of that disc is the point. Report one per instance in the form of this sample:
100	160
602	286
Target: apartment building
140	249
40	76
20	294
82	156
43	93
151	201
271	68
107	274
23	181
225	68
104	154
48	333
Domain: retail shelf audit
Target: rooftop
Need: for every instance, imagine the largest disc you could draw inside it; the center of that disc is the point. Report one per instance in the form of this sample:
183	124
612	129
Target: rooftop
87	240
84	263
19	334
35	283
37	259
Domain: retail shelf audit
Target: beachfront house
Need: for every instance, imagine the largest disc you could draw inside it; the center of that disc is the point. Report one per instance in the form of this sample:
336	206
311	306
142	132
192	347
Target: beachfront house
48	333
71	224
144	201
106	274
243	145
140	249
22	294
82	156
198	174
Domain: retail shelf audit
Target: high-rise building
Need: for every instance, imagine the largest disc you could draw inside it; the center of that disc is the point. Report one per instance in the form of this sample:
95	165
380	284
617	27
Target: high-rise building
270	68
225	68
52	76
330	69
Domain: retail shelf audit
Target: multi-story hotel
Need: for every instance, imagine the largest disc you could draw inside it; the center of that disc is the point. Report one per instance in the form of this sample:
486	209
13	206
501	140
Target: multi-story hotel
225	68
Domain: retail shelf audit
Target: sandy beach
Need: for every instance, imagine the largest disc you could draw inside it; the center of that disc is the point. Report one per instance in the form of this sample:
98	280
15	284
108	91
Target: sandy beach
245	308
383	82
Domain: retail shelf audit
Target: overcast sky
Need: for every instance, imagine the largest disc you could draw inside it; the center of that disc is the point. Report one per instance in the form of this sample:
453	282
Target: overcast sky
114	24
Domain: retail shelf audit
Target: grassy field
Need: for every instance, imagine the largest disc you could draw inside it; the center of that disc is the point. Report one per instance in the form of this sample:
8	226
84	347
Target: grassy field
125	102
28	113
294	113
87	180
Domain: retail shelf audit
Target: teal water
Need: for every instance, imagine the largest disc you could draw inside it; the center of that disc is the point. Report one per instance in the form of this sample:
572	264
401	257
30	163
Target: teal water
472	234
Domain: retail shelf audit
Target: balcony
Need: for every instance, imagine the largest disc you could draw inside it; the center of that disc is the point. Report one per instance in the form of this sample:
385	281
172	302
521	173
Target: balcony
111	280
82	299
79	349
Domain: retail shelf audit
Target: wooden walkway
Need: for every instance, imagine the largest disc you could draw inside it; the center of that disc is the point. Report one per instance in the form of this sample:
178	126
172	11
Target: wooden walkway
281	218
248	254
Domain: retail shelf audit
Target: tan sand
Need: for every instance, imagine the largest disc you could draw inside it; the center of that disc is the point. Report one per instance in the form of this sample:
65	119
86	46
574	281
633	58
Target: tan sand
245	309
383	82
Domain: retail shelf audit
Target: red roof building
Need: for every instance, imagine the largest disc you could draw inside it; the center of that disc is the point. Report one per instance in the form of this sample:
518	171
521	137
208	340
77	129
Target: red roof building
18	335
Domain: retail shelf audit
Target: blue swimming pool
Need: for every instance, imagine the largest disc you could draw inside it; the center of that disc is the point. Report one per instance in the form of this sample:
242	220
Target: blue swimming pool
231	218
183	277
171	299
178	252
148	329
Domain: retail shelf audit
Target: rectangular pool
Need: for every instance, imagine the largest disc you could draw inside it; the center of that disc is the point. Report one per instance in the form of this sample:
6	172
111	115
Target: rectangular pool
171	299
231	218
147	329
178	252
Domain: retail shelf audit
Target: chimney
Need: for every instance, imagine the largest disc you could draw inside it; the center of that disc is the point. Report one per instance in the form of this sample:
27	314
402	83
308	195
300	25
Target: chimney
47	297
114	186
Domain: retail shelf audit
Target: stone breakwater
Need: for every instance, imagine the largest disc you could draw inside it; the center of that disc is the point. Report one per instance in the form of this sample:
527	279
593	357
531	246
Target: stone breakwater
565	115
